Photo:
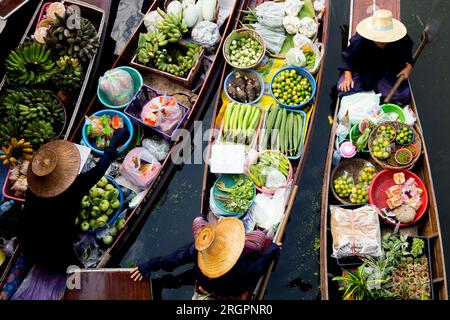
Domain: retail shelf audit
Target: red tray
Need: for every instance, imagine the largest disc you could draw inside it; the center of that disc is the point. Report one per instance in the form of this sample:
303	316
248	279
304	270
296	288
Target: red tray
7	192
383	181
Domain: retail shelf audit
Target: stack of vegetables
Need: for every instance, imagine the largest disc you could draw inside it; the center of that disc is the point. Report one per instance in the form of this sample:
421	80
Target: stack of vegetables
402	272
283	130
161	48
271	170
240	122
287	29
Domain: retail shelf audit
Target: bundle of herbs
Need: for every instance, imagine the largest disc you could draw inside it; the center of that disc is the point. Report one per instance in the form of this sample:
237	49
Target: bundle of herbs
239	197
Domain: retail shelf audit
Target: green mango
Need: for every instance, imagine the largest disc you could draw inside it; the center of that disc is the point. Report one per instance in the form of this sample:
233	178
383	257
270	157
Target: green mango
103	182
109	187
104	205
115	204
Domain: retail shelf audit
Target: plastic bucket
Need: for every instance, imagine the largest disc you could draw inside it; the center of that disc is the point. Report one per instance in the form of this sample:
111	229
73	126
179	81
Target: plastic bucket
127	122
252	74
137	81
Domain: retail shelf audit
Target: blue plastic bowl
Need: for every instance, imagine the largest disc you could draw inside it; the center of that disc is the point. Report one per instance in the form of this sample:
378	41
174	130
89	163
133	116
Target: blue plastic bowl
117	213
303	73
127	122
253	74
137	80
229	182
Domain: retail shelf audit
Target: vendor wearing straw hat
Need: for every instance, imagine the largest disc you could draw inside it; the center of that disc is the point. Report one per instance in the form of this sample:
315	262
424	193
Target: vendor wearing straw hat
55	190
379	53
222	268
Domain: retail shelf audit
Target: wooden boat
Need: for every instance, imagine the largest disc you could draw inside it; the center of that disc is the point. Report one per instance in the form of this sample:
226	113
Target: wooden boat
195	98
106	284
97	11
209	178
428	226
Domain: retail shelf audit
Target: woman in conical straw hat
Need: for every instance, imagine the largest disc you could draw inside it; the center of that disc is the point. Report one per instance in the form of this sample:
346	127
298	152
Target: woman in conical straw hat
222	268
55	190
379	53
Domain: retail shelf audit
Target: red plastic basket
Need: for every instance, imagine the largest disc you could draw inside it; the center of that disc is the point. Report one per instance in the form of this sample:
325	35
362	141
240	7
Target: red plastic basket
383	181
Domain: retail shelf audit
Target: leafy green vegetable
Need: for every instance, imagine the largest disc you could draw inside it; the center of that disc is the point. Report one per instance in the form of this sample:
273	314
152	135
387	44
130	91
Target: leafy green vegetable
362	141
417	247
237	198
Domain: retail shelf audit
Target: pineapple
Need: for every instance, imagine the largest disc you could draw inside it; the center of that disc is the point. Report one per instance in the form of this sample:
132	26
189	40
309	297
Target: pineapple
74	36
69	73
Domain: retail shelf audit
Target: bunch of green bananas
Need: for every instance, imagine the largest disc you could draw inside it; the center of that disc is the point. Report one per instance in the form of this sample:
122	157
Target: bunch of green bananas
38	132
172	26
180	63
29	64
149	44
8	130
68	74
25	106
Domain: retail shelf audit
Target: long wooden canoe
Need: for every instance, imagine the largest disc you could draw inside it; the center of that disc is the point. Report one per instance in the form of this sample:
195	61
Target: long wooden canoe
427	227
98	12
199	94
209	178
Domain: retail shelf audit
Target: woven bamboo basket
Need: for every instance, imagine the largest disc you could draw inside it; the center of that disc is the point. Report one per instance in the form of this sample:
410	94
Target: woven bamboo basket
236	34
351	167
384	163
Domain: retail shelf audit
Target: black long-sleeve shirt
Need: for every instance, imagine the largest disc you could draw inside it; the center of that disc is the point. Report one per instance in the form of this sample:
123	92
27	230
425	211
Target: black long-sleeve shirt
47	228
245	273
364	57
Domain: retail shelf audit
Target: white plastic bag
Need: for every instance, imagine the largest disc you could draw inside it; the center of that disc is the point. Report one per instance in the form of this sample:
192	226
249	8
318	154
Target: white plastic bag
206	34
140	167
268	210
355	232
158	147
117	85
358	105
295	57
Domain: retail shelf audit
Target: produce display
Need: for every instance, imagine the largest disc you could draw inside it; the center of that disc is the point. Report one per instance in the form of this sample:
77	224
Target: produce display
404	136
244	88
403	156
245	51
14	150
381	147
34	115
271	170
101	129
238	197
240	122
283	130
291	88
99	206
30	64
343	186
359	193
387	131
70	34
366	174
69	73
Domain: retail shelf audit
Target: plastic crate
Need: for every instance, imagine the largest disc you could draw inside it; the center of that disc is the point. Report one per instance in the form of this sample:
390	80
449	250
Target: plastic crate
141	98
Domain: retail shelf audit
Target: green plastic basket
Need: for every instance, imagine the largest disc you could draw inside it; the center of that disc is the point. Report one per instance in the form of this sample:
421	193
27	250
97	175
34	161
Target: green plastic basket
393	108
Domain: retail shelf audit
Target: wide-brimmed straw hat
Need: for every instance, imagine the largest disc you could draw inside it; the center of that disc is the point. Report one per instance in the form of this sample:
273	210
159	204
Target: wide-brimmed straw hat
53	168
381	27
219	246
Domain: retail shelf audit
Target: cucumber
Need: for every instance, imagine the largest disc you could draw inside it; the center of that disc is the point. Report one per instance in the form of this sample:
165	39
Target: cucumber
283	131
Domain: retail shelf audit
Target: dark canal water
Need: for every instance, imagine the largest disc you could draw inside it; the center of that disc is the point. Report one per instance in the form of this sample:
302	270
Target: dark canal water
297	273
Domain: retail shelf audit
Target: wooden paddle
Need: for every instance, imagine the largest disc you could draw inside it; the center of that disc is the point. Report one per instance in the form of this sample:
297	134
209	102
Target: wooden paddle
425	40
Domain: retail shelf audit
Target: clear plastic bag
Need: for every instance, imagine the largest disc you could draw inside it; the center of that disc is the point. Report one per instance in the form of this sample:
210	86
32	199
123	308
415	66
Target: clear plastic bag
88	250
355	232
159	148
117	85
139	167
162	112
8	246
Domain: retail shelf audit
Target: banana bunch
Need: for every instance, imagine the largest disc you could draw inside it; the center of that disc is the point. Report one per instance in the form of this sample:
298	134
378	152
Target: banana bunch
23	106
172	26
16	149
180	63
65	39
7	131
38	132
29	64
149	44
69	73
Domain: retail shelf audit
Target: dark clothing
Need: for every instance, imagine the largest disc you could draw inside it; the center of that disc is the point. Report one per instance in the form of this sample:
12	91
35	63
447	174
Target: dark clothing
47	227
372	64
245	273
